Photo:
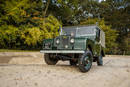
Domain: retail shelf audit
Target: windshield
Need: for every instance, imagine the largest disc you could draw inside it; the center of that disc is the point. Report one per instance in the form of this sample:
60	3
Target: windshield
85	31
69	31
78	31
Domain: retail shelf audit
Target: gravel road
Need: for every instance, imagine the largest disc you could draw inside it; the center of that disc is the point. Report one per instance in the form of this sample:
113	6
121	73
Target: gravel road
28	69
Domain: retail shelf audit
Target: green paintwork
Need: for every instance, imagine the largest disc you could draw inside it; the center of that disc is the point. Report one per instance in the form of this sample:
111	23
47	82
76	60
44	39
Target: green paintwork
49	42
80	43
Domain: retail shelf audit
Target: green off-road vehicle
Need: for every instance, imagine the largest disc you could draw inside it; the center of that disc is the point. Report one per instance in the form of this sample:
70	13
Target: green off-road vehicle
80	45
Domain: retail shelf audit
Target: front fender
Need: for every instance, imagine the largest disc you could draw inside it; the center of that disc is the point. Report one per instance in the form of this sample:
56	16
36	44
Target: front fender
90	45
47	43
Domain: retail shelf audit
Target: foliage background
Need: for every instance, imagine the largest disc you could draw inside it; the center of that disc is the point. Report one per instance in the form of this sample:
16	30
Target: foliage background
25	23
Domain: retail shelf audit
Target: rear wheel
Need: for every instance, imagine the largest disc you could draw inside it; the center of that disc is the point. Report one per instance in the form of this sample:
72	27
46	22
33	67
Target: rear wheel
85	62
50	59
100	60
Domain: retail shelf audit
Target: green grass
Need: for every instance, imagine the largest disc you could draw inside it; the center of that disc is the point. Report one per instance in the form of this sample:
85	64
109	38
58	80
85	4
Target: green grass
15	50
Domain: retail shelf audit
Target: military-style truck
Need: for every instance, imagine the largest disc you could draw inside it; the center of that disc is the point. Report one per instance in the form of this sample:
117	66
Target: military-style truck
80	45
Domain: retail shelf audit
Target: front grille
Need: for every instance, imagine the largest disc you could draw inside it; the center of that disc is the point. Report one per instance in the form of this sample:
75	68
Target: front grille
65	41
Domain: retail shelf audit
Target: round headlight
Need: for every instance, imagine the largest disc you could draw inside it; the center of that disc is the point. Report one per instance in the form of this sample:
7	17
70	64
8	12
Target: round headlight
66	46
57	41
72	40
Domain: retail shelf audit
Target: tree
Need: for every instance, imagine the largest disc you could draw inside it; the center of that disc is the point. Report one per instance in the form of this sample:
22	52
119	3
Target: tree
125	45
118	16
64	10
51	27
21	24
8	36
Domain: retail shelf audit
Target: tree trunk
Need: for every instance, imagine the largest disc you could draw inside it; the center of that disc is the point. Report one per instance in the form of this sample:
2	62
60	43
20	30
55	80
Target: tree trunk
44	13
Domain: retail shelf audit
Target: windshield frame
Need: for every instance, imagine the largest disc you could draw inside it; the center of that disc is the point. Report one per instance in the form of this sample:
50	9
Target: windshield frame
76	30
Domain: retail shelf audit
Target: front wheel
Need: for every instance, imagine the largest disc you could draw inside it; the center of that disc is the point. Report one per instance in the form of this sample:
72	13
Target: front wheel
85	62
50	59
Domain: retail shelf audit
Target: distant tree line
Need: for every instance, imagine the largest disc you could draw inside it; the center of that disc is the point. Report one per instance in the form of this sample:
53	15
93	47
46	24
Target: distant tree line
25	23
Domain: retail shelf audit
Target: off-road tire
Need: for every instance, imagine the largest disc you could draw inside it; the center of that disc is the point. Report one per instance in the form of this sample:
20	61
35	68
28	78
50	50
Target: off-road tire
50	60
85	62
100	60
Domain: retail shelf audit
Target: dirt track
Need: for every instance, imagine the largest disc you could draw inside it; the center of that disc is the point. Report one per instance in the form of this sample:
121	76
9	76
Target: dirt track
29	70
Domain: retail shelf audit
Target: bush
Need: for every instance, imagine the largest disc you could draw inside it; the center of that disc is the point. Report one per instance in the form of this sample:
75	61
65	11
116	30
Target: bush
28	36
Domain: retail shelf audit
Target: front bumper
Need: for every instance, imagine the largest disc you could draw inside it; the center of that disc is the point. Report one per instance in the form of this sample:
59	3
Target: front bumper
62	51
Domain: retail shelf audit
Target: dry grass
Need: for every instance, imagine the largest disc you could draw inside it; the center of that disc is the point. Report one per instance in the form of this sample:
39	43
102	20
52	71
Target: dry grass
15	50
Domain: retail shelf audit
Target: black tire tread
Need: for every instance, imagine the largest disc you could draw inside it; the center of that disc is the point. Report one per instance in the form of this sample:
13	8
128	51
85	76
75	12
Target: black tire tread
48	60
98	61
81	67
